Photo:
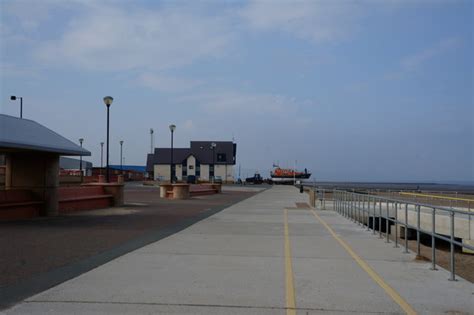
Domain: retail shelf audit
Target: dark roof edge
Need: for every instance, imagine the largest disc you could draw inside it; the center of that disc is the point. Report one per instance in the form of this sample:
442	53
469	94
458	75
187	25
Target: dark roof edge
44	149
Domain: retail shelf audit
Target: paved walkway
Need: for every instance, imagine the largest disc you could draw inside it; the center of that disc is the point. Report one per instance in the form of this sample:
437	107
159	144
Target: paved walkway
263	255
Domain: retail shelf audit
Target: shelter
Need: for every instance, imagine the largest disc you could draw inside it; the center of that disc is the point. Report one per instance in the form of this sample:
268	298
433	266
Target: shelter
32	154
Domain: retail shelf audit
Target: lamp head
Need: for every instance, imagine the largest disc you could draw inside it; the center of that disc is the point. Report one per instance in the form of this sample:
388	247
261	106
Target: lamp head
121	142
13	98
101	143
108	100
81	140
172	128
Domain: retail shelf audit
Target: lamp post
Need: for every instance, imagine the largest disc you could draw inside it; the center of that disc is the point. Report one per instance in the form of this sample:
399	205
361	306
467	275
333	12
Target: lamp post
172	129
101	157
13	98
213	147
108	101
81	140
121	160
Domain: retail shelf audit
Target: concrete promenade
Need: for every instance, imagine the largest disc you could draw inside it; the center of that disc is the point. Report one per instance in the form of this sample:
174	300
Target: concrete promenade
264	255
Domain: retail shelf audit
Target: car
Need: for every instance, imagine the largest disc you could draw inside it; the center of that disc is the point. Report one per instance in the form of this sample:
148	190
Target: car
218	179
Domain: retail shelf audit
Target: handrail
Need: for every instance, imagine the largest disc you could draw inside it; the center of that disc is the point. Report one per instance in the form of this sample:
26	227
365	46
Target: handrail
362	207
436	196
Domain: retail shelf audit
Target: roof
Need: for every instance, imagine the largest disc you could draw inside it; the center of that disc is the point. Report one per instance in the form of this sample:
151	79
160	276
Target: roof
73	164
25	134
136	168
201	150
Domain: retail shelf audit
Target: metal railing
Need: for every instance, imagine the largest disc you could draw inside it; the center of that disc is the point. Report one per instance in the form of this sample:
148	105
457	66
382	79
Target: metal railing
362	208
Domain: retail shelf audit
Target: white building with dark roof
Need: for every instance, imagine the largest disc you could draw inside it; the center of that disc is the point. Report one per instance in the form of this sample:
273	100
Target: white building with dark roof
199	161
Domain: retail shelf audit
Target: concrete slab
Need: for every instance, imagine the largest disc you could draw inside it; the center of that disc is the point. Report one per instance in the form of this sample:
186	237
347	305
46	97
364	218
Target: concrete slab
234	263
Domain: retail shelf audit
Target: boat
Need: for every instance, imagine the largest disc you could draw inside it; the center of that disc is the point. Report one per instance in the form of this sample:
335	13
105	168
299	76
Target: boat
286	175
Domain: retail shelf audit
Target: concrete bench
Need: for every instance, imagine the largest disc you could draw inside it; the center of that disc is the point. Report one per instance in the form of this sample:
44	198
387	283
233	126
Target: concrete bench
205	189
83	198
19	204
174	191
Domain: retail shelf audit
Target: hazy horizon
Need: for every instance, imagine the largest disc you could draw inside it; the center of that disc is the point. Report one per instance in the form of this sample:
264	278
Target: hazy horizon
354	91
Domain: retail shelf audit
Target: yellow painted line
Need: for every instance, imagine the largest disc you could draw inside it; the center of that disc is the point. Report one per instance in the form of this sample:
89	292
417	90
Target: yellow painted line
290	284
378	279
436	196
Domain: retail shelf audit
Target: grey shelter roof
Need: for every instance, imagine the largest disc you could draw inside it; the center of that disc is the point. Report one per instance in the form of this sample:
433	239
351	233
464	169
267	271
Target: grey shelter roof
25	134
201	150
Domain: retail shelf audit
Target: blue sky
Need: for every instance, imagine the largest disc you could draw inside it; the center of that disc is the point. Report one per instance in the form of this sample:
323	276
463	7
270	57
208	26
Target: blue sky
352	90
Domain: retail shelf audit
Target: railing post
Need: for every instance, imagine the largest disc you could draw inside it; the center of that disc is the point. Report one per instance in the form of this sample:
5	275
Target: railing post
380	218
373	216
368	213
406	228
418	249
433	240
387	225
396	225
453	275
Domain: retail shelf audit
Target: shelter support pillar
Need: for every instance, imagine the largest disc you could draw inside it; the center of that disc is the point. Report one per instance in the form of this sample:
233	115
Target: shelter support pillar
37	172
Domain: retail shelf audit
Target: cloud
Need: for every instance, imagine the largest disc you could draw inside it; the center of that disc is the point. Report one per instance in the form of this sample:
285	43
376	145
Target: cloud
115	38
240	104
165	83
316	21
416	60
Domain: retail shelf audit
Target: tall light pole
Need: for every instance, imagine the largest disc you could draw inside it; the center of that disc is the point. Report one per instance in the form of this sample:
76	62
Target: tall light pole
151	140
108	101
101	157
121	160
213	147
81	140
172	129
13	98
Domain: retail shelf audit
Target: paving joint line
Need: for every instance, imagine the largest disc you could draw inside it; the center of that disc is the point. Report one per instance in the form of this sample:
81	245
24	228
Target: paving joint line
202	305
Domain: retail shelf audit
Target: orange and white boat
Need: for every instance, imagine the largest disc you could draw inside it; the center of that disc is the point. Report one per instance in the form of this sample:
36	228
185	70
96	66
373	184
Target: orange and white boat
287	175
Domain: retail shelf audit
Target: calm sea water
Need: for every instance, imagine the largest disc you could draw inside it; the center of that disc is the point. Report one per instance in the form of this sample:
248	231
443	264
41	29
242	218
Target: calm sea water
465	187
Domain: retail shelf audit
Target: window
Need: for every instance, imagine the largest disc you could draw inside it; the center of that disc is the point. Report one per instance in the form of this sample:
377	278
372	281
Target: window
221	157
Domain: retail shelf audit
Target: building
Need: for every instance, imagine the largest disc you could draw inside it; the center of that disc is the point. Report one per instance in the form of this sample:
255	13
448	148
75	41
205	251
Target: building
200	161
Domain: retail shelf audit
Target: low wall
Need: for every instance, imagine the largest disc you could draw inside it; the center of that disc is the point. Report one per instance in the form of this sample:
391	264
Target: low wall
19	204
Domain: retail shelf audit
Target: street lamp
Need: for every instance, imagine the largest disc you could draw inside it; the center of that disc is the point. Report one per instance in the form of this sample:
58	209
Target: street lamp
81	140
121	160
108	101
101	157
213	147
13	98
172	129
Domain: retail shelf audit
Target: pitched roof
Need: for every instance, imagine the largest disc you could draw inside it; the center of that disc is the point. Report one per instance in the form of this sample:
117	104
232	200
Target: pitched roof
25	134
201	150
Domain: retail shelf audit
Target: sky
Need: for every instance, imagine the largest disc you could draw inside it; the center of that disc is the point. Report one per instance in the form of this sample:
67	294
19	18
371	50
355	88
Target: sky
351	90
